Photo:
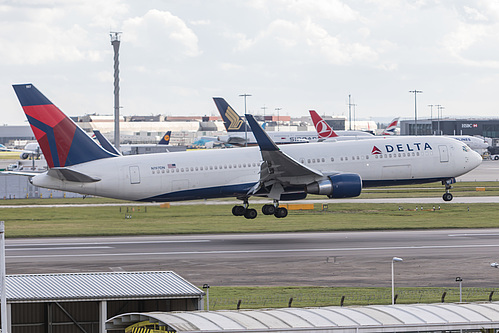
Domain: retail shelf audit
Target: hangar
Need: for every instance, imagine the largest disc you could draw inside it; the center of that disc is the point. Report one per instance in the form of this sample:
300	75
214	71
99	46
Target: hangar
82	302
461	317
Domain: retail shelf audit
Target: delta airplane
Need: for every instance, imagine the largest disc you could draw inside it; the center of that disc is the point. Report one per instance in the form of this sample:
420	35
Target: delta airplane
240	134
337	170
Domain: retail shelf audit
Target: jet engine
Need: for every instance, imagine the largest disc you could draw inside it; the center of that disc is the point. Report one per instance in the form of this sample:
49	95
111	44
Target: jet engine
342	185
24	156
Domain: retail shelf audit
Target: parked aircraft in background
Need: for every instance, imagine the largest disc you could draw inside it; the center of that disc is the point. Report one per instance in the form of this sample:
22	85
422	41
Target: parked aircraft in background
337	170
133	148
390	129
475	143
30	150
239	133
326	132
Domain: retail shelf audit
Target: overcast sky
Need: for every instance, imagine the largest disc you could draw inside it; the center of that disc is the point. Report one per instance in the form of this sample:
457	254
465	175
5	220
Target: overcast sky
297	55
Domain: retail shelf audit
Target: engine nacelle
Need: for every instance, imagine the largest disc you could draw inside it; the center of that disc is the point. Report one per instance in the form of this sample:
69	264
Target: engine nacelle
343	185
24	156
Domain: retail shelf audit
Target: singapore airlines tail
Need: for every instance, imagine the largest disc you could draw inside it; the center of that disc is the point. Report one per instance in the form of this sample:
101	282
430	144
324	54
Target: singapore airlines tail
62	142
232	121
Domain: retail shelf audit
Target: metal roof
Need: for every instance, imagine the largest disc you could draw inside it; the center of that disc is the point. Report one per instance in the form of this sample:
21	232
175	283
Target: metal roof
98	286
373	318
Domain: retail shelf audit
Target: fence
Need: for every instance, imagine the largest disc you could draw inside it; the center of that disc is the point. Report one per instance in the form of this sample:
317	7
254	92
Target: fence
360	297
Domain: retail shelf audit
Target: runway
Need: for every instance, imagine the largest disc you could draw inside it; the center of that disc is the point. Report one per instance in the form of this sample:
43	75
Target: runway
431	258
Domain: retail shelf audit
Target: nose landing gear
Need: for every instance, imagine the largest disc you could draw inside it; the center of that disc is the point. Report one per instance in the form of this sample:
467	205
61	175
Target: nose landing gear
447	195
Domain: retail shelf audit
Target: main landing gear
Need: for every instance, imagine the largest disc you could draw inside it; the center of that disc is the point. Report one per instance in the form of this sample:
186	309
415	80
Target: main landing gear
250	213
447	195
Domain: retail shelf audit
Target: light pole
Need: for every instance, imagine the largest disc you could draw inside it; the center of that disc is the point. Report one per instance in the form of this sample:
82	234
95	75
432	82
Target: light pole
394	259
207	287
245	124
278	118
458	279
415	110
431	116
439	115
2	277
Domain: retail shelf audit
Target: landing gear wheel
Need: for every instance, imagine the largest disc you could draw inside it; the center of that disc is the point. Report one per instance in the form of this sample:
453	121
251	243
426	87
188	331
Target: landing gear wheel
281	212
250	213
268	209
447	196
238	210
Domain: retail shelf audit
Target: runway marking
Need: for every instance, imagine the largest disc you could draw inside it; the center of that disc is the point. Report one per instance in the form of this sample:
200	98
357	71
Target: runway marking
467	235
61	248
110	244
255	251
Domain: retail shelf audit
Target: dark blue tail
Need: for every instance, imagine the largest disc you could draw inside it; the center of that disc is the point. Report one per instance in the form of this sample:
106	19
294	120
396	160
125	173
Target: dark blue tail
232	121
165	140
104	142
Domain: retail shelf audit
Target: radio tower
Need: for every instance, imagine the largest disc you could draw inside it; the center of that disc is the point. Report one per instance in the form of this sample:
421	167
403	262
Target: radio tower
115	42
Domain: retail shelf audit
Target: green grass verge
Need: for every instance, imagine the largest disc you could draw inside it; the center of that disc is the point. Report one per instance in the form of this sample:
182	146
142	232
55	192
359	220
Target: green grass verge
227	298
104	220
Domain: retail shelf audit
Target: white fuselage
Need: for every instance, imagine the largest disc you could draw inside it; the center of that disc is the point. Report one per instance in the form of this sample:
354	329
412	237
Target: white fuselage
232	172
286	137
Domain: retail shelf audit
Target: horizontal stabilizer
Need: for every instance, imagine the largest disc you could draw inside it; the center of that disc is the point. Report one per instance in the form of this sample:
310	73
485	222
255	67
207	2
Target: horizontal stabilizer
21	173
71	175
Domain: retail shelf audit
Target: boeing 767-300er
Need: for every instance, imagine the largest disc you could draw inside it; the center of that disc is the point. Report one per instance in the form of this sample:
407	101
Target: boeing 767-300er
337	170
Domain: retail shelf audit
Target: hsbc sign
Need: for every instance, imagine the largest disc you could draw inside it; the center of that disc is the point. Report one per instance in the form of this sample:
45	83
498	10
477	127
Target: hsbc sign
469	125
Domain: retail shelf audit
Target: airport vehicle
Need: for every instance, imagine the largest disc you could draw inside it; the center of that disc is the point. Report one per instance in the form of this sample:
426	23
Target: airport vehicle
239	133
78	164
493	153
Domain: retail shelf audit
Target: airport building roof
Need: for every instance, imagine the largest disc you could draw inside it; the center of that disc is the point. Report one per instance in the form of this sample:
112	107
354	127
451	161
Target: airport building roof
374	318
98	286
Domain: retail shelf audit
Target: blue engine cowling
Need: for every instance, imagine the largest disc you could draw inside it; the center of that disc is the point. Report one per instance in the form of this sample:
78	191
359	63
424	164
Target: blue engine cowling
342	185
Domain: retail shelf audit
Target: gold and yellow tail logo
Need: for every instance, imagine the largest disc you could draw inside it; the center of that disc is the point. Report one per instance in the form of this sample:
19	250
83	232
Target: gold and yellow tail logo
166	137
235	121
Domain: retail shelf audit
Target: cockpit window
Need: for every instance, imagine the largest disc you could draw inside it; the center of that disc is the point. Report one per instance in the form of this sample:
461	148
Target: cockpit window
466	148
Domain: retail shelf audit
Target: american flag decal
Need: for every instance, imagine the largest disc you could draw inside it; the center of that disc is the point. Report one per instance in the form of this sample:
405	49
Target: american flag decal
172	166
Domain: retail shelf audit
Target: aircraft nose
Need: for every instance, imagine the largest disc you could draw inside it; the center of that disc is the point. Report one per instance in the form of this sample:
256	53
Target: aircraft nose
476	159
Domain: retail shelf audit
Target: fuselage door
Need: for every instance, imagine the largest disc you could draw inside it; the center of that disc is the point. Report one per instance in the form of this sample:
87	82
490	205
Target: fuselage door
444	153
134	174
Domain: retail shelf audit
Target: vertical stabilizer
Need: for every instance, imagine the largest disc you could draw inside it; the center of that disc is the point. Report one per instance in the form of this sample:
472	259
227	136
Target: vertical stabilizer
323	129
232	121
165	140
62	142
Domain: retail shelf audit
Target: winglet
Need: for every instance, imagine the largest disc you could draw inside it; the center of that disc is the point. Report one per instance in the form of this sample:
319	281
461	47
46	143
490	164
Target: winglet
232	121
165	140
263	140
105	143
323	129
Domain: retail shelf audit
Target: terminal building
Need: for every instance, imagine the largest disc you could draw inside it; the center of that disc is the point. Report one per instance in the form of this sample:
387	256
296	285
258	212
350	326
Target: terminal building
488	128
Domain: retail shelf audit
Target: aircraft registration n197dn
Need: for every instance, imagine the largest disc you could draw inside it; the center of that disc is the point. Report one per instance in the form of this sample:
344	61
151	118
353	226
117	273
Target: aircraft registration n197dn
337	170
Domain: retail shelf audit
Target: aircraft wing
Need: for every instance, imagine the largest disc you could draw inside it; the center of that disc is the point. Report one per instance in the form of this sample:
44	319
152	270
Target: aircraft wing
71	175
279	170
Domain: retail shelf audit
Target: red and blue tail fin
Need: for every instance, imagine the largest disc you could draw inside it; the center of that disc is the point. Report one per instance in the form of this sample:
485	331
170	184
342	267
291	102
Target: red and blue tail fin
390	129
62	141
